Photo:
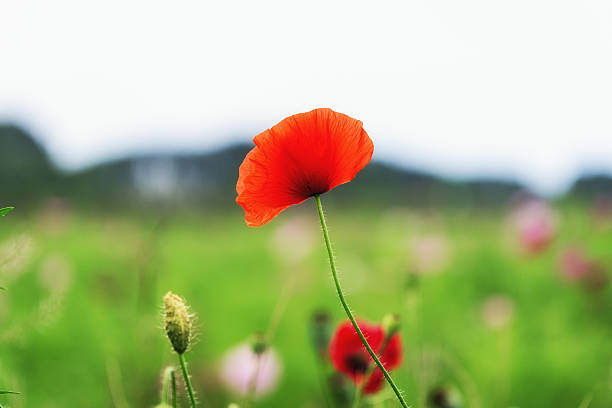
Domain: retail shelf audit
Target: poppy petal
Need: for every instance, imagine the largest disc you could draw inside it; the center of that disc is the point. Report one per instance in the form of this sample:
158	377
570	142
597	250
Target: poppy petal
375	382
392	354
348	354
391	358
305	154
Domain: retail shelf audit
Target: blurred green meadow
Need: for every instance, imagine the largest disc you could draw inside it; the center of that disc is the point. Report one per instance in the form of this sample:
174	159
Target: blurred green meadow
81	317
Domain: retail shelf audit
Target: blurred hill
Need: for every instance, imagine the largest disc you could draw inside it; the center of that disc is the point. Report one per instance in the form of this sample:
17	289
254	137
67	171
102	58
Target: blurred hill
592	186
27	175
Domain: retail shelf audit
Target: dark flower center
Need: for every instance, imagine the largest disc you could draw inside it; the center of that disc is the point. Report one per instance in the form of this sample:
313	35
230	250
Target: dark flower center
357	363
315	185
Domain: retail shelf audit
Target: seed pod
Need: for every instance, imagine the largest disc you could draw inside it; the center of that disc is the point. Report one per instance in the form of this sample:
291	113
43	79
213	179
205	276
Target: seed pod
391	324
177	322
320	332
259	345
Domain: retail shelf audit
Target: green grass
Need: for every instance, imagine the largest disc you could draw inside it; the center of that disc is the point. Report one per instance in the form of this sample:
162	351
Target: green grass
61	345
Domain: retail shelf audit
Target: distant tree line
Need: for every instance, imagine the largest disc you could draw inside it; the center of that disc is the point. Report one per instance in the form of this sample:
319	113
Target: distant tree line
27	176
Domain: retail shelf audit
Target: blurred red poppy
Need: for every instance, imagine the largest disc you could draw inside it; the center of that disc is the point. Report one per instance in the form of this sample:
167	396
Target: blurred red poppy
304	155
576	266
349	356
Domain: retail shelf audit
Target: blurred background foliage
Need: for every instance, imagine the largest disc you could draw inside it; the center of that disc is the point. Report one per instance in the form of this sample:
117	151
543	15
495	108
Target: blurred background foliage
87	256
197	180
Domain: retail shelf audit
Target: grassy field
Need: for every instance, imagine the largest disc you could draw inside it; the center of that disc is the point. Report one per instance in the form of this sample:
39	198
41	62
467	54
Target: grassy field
80	321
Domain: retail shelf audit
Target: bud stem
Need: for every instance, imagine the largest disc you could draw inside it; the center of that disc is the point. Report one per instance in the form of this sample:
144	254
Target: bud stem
368	374
252	390
173	384
187	380
332	264
169	382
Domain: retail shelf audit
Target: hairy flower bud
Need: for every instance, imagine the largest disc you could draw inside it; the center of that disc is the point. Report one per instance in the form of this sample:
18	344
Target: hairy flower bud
177	322
391	324
259	344
320	332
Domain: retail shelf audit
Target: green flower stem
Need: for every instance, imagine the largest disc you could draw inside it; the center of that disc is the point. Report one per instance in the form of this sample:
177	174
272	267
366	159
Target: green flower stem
252	390
169	382
368	374
173	384
187	380
332	263
358	394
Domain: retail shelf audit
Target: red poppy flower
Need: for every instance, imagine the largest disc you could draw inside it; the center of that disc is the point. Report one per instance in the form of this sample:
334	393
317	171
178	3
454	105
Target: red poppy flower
349	355
305	154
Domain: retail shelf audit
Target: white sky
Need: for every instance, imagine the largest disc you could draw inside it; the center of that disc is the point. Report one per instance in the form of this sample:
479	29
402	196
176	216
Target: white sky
518	88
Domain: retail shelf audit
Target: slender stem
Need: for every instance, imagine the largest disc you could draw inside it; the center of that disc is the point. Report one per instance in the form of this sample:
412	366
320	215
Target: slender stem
168	383
330	401
173	385
187	381
252	390
357	398
366	378
332	264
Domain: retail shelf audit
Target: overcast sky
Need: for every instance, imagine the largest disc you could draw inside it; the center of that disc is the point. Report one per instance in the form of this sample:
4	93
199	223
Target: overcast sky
518	89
